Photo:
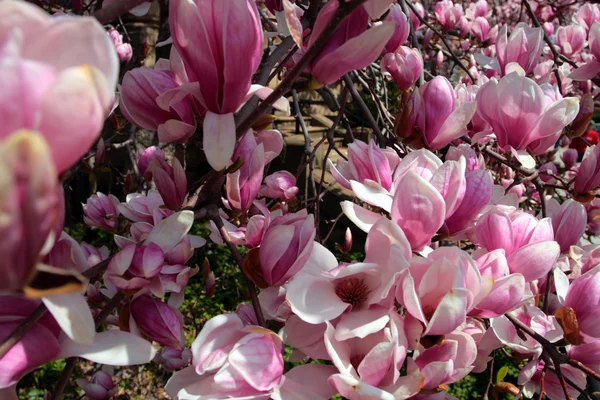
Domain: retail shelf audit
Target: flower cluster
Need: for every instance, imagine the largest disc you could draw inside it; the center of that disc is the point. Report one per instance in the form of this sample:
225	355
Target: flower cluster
469	200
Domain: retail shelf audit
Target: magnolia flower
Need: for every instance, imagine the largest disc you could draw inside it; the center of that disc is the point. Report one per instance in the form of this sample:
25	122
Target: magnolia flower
525	115
101	211
441	289
528	243
65	98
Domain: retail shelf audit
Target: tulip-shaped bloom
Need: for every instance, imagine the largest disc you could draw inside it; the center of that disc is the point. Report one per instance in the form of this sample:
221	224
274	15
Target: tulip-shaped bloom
441	289
100	387
29	206
508	289
101	211
170	181
286	246
242	186
474	161
571	39
368	364
401	30
44	343
447	362
214	39
144	208
146	159
404	66
139	92
478	194
351	46
448	14
524	46
569	221
590	69
527	242
480	28
157	321
66	97
174	359
588	175
367	165
231	360
583	296
587	14
524	115
442	119
279	185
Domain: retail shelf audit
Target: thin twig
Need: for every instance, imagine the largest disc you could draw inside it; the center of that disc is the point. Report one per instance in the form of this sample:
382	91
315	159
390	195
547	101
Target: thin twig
364	109
286	84
214	216
441	36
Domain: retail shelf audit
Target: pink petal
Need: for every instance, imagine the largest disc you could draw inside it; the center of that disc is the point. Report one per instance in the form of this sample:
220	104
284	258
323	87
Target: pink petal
219	139
534	260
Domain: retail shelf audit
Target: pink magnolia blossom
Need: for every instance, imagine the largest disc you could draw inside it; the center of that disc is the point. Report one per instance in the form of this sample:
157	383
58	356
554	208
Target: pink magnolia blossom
150	318
368	365
242	186
124	50
569	158
587	14
591	68
146	158
43	343
173	359
552	386
527	242
448	14
101	211
144	208
324	289
367	164
523	114
142	265
588	175
29	206
524	46
441	289
231	359
508	289
279	185
352	45
58	78
569	221
140	91
534	318
213	44
447	362
404	65
100	387
170	181
583	296
401	30
442	119
571	39
414	19
286	246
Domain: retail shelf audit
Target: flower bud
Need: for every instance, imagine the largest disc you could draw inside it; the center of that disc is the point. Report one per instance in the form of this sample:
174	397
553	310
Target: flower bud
100	387
286	246
279	185
401	30
404	66
156	321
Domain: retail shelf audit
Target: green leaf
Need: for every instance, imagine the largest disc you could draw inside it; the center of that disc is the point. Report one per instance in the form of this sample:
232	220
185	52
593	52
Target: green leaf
502	374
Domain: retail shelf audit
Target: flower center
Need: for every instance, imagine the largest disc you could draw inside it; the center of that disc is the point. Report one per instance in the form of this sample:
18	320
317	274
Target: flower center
353	291
355	360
